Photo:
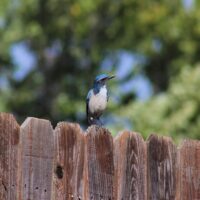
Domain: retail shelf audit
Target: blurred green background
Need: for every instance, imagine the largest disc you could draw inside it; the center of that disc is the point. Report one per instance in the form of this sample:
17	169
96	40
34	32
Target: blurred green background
50	52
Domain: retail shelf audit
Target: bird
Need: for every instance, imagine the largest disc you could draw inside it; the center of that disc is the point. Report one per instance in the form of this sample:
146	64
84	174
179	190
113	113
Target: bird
97	99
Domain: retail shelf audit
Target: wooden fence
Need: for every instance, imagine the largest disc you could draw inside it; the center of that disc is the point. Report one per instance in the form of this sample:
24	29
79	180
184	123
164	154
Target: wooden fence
39	163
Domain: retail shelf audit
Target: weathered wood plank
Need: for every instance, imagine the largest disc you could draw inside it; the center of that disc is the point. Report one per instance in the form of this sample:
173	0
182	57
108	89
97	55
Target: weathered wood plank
37	163
9	141
189	171
130	167
99	164
161	168
69	162
37	146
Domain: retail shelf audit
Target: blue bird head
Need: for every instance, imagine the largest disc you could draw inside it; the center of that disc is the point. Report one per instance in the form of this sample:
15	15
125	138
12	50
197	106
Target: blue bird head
100	81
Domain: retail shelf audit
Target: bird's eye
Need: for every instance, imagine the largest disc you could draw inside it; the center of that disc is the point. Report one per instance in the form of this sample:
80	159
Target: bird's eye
103	80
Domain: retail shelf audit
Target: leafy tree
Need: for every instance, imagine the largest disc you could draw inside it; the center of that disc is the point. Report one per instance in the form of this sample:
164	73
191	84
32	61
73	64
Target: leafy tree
174	113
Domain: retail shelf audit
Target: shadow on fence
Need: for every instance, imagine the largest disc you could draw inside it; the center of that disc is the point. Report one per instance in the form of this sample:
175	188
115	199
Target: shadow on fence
39	163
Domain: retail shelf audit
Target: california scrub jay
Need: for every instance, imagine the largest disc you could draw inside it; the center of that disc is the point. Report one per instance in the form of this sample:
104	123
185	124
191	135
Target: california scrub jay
97	99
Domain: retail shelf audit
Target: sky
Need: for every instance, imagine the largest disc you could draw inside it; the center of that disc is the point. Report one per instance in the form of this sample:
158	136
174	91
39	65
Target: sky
23	59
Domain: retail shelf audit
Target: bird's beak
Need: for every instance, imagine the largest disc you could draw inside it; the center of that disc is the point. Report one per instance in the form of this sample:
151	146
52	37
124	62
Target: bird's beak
111	77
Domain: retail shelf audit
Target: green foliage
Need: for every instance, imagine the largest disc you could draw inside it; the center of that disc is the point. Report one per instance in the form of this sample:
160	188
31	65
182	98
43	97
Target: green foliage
174	113
164	33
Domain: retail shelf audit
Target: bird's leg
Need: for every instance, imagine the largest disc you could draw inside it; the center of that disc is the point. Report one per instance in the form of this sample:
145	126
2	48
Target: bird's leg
95	121
99	122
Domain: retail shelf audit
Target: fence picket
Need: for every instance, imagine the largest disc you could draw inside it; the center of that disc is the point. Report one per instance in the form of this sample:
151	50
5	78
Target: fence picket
69	162
99	165
189	170
161	168
37	159
130	166
9	157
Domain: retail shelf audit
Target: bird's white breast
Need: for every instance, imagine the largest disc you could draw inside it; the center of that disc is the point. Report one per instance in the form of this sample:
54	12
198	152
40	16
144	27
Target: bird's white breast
98	102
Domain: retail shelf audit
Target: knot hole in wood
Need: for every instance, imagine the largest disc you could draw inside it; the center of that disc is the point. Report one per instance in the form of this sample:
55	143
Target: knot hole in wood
59	172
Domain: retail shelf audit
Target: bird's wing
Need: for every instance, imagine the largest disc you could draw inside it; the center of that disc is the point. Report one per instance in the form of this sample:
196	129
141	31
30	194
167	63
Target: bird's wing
87	102
107	95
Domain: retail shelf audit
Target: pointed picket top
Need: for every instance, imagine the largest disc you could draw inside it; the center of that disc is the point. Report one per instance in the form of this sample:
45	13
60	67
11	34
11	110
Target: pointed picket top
187	143
95	129
69	161
74	127
9	120
7	116
130	166
126	134
159	138
29	120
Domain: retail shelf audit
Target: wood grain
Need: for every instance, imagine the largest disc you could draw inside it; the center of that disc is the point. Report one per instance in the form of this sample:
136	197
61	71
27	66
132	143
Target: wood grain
37	146
9	141
161	168
130	167
99	165
189	171
37	163
69	162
